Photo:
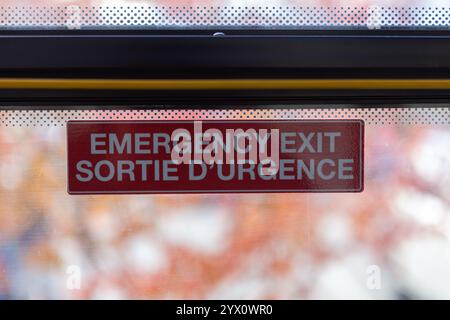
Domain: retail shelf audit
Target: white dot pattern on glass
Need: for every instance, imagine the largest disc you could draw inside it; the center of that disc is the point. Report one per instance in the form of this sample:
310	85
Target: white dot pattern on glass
395	116
91	17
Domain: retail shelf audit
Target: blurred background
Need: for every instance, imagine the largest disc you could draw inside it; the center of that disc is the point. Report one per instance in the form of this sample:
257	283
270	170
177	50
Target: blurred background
345	3
286	14
389	242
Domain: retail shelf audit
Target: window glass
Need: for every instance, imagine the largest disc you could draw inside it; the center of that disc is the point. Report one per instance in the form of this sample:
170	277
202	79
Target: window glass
390	241
227	14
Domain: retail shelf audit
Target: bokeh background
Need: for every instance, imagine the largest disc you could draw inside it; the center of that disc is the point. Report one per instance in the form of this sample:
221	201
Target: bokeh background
286	14
239	246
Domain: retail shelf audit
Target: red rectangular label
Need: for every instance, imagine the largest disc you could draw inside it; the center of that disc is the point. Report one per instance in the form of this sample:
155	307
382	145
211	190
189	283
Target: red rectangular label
106	157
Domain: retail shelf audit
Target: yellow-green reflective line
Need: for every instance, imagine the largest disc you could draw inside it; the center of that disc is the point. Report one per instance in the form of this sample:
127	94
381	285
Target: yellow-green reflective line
224	84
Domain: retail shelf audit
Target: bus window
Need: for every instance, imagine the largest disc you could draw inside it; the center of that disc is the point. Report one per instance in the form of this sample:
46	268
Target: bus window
381	64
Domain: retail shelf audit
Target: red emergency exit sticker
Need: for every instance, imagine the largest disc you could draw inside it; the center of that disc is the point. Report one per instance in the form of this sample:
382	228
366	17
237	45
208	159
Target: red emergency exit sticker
128	157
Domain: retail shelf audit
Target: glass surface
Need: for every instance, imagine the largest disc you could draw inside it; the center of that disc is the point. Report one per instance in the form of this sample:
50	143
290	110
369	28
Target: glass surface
391	241
237	14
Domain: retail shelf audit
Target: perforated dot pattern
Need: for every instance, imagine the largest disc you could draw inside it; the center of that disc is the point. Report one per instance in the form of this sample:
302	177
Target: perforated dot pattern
91	17
372	116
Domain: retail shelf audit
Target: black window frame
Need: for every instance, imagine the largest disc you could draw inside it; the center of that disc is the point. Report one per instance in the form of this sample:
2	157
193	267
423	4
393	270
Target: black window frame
222	54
